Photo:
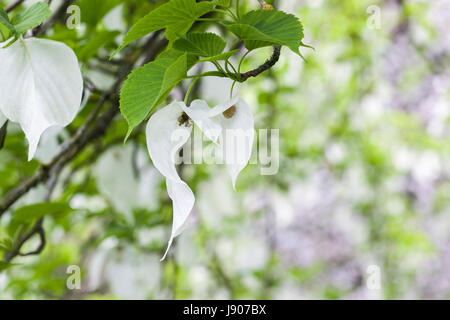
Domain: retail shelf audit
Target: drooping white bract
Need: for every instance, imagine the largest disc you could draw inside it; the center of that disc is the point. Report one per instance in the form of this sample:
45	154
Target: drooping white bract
40	86
238	132
168	130
166	134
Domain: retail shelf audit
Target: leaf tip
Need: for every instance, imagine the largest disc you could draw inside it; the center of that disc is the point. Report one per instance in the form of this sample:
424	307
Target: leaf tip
115	52
129	132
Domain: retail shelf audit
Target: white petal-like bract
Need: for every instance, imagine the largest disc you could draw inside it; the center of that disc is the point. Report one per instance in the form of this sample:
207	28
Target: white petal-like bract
40	86
165	137
183	202
238	133
169	129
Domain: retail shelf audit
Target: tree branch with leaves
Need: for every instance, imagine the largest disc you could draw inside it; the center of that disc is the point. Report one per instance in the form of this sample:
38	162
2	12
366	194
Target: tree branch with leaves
146	74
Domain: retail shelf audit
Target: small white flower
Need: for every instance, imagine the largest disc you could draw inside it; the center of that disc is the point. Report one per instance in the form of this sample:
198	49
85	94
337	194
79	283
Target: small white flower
40	86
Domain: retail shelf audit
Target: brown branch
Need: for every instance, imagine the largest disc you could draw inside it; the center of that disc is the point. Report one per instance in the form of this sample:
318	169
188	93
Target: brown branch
37	229
268	64
264	67
40	231
45	171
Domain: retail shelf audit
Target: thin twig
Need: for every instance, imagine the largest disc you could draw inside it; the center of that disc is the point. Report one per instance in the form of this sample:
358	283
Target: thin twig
268	64
37	228
40	231
264	67
59	15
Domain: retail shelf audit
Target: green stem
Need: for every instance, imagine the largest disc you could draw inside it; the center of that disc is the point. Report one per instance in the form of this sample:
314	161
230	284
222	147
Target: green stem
232	88
221	11
233	15
208	74
227	62
238	10
219	67
242	60
226	68
209	19
227	12
186	98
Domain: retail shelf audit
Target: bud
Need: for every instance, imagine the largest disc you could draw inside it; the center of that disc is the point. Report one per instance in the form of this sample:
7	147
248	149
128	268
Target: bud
268	7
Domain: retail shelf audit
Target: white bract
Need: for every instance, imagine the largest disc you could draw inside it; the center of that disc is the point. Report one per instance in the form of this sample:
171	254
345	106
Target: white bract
230	124
165	137
40	86
236	120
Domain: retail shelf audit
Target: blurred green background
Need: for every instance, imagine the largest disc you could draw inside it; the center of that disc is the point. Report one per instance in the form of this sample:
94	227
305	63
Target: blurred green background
363	181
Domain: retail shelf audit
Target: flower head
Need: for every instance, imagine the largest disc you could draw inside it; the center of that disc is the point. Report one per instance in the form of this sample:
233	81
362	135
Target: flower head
167	131
237	122
230	125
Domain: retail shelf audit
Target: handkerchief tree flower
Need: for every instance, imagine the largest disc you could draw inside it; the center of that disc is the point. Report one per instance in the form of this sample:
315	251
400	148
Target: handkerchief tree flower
41	85
170	128
232	122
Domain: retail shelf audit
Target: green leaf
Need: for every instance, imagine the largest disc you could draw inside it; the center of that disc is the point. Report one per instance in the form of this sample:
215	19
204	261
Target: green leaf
222	56
6	244
175	54
223	3
4	19
264	28
6	28
25	216
201	44
149	86
176	16
6	265
210	5
35	211
93	11
5	33
31	18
